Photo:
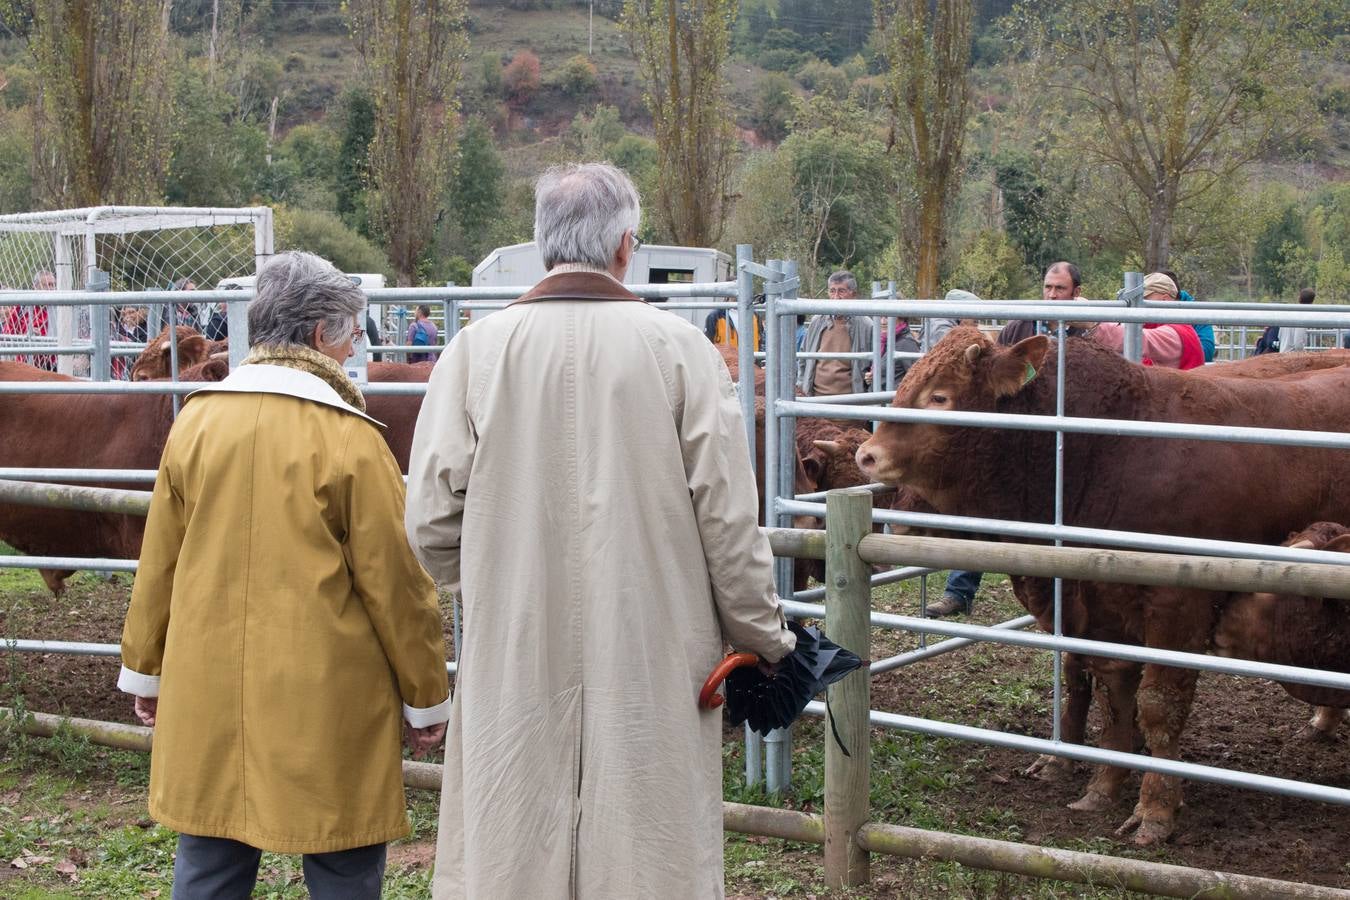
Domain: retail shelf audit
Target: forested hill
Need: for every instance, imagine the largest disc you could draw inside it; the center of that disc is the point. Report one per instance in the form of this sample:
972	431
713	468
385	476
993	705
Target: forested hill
281	113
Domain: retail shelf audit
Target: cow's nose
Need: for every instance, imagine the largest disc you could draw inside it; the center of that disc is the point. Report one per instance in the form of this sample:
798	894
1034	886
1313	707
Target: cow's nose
866	461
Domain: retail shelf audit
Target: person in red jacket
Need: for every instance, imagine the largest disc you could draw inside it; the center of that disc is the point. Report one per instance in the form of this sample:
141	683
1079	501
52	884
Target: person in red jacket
31	321
1165	344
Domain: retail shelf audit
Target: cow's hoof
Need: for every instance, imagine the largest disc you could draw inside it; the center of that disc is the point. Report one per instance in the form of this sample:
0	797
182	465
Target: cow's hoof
1311	734
1050	768
55	579
1147	832
1092	801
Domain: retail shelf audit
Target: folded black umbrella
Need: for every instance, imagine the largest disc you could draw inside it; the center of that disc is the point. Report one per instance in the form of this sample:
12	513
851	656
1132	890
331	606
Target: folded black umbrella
773	701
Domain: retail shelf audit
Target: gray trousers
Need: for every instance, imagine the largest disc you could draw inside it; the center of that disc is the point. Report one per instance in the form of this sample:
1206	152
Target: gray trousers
209	868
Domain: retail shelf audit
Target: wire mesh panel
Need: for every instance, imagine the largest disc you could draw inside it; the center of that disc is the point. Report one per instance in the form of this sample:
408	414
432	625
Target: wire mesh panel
119	249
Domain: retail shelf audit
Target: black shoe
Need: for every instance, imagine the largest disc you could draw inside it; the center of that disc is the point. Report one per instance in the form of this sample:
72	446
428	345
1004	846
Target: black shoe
949	604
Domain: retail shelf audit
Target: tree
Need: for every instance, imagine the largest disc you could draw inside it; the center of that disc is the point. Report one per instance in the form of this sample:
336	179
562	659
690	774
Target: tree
101	123
412	51
681	46
353	165
520	78
476	192
217	159
928	94
1177	96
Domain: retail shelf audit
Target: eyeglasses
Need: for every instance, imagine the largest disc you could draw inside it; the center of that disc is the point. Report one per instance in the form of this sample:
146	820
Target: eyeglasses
637	242
358	334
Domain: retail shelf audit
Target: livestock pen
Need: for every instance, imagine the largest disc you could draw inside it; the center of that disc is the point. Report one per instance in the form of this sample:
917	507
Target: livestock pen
782	823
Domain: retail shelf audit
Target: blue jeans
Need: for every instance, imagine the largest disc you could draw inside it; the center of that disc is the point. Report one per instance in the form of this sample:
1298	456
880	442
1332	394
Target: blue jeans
963	584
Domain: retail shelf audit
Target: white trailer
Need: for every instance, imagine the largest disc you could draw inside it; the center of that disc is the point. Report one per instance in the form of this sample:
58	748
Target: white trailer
520	265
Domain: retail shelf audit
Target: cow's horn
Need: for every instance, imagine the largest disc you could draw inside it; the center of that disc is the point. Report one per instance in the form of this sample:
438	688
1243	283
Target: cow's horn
1304	544
973	353
828	446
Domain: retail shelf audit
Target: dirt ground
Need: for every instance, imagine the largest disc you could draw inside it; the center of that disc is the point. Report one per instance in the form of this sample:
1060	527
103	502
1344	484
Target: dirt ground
1236	723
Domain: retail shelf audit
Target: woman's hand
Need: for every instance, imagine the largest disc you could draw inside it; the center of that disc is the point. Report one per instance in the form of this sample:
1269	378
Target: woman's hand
422	741
146	707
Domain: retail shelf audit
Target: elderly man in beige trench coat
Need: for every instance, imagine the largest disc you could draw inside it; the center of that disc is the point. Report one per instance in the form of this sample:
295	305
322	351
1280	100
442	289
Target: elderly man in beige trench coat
580	474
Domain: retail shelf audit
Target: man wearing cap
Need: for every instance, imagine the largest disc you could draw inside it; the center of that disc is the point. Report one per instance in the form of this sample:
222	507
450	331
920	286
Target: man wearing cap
1175	346
580	477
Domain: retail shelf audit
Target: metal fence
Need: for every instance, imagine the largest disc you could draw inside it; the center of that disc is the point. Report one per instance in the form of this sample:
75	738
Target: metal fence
781	312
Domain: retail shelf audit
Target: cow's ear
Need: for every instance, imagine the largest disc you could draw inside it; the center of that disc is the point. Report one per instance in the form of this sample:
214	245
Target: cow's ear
1014	369
192	350
814	467
1338	545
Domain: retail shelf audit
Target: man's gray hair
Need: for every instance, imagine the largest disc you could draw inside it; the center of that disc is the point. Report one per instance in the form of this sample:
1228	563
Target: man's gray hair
297	291
845	277
581	213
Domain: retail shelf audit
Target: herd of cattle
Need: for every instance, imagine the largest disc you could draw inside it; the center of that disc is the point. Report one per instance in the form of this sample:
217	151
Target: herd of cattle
1242	492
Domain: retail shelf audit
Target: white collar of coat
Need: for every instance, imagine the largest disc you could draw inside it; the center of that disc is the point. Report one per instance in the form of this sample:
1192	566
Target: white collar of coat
258	378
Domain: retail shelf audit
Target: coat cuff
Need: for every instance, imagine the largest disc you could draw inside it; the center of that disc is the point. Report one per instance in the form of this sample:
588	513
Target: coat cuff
427	716
133	682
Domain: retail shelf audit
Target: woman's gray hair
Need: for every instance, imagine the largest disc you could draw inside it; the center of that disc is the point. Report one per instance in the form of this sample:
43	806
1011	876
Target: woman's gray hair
581	213
295	292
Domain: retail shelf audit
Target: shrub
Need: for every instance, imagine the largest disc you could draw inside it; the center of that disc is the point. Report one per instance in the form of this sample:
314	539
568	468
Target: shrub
325	234
520	79
578	77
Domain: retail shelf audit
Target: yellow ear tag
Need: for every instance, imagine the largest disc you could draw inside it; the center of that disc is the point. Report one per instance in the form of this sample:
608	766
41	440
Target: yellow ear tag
1031	373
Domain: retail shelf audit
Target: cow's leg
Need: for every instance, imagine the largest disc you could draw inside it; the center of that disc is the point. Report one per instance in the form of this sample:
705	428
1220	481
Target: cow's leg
1323	724
1165	696
55	579
1072	719
1115	684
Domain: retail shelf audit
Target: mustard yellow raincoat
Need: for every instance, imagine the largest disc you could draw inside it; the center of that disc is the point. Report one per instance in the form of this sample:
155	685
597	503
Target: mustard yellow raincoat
282	620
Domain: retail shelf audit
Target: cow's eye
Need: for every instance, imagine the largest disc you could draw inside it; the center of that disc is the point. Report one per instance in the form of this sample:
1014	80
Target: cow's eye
938	399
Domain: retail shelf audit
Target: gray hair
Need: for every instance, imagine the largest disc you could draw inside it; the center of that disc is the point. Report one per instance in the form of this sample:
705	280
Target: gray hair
297	291
845	278
581	213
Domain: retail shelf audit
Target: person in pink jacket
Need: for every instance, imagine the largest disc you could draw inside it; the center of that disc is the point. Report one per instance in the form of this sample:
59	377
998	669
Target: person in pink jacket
1165	344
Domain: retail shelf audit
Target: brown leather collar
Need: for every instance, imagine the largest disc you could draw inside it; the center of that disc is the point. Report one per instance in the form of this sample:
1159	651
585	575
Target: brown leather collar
577	286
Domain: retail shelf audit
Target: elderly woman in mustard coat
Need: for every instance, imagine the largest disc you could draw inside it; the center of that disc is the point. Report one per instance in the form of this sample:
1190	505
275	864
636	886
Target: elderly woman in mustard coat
280	628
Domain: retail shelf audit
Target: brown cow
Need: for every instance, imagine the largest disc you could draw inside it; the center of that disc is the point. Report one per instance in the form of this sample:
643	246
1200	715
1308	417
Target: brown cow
1199	488
193	349
1313	632
398	412
126	431
86	431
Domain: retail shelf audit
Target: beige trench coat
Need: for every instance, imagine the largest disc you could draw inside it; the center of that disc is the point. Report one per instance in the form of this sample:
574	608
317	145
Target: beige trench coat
282	620
586	460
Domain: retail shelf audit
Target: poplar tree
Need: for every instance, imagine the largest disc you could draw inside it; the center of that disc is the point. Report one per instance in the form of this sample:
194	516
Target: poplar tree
927	50
413	52
102	116
682	47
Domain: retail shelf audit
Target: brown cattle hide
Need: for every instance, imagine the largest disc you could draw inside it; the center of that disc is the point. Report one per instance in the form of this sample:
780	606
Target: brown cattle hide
84	431
1207	489
156	361
1292	630
125	431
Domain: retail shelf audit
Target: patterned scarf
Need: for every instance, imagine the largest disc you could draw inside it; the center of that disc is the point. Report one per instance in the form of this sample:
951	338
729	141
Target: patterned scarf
295	356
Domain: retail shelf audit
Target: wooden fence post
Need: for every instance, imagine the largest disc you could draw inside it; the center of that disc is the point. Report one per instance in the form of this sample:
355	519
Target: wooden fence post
848	599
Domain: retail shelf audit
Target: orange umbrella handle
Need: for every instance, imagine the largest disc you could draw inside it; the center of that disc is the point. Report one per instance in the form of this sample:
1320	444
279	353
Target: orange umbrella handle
708	698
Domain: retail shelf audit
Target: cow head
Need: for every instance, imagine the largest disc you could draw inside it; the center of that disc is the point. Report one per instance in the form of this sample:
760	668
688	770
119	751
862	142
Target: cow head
155	360
966	372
